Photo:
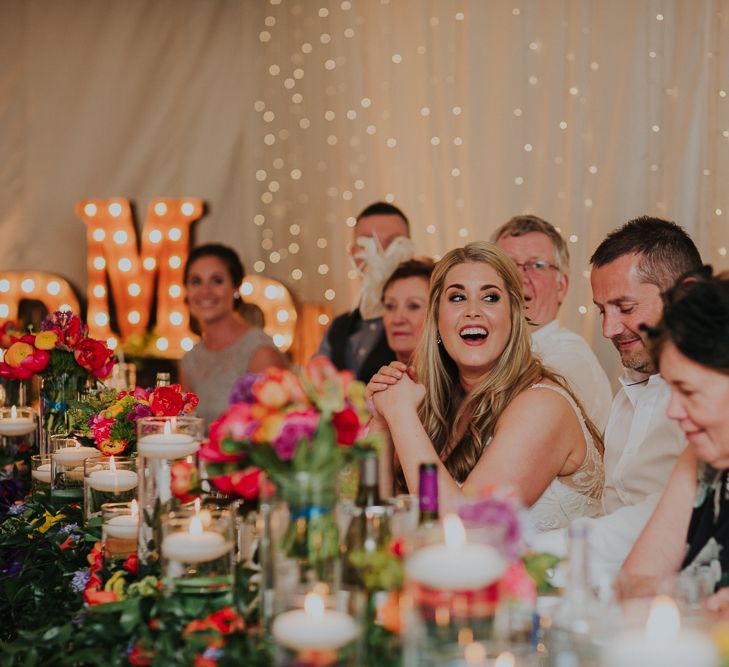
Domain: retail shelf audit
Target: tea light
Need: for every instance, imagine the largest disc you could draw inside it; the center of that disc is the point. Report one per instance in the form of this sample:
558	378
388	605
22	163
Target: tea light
167	445
455	565
71	457
663	643
314	627
125	526
195	545
14	425
113	480
43	473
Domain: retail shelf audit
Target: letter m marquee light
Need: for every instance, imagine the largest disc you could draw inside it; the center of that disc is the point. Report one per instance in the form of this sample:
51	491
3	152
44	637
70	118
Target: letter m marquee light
113	254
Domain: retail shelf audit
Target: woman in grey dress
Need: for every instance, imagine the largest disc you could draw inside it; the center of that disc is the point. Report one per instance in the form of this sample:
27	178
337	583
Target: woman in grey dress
229	346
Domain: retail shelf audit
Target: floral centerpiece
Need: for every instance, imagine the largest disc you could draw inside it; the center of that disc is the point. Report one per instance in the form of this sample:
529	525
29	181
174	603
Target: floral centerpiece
298	429
109	417
64	355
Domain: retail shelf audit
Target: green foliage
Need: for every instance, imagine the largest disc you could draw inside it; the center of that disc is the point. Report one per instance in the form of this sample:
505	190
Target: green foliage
378	570
539	565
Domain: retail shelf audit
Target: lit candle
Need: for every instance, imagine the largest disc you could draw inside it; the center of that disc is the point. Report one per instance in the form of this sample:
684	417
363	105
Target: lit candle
124	527
43	473
167	445
197	545
113	480
455	565
14	425
73	456
314	627
663	643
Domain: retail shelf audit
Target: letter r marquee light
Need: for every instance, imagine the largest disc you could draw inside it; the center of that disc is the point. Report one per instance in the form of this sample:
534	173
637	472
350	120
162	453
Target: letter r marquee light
112	253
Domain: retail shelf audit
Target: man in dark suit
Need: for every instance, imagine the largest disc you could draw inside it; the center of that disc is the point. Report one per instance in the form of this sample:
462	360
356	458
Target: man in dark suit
356	340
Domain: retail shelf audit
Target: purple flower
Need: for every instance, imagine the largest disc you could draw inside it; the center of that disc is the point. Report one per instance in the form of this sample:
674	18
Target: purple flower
499	513
17	509
212	653
67	528
242	391
299	425
80	579
138	412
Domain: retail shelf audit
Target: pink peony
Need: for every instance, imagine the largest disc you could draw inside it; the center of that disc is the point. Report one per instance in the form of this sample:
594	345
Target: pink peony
297	425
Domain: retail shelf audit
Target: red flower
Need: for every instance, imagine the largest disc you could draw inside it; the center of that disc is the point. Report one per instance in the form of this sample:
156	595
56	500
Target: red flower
166	402
202	661
22	360
347	425
184	480
73	331
96	596
68	544
131	564
227	620
95	357
247	483
140	655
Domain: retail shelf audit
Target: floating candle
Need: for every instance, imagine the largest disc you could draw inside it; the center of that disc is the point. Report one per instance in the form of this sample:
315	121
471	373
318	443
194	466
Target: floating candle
455	565
314	627
43	473
13	425
195	545
167	445
70	457
125	526
113	480
663	643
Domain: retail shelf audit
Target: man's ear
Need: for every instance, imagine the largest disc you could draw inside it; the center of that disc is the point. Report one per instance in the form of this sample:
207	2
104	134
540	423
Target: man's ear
564	283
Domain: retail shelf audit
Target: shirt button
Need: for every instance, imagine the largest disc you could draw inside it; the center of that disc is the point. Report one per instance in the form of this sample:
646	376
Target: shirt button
373	327
362	351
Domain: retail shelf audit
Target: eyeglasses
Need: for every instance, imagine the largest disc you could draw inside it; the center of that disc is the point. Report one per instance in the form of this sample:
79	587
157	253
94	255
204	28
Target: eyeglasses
536	266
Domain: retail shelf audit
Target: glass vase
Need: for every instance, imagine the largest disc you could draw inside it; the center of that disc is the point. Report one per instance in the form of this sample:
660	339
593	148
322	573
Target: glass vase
56	393
311	536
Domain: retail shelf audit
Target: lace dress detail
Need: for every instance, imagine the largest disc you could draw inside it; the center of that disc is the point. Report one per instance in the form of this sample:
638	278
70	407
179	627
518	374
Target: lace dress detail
576	495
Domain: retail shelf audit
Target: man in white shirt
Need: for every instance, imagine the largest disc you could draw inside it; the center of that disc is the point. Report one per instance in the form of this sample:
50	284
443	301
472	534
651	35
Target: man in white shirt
542	255
632	267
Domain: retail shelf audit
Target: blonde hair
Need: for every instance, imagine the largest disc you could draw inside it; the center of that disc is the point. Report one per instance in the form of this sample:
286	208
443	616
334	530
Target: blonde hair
446	404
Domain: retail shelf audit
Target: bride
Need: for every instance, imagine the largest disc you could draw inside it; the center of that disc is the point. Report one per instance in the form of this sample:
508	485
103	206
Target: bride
480	405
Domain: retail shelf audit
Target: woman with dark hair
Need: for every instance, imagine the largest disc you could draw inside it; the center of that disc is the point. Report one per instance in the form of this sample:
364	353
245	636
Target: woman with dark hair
690	526
405	304
479	404
230	346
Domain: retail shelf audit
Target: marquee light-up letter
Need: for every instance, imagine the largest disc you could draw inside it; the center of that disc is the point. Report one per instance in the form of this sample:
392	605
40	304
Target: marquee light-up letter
112	252
52	291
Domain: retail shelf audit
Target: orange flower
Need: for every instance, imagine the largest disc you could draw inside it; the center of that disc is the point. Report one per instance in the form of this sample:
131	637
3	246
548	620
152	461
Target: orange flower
46	340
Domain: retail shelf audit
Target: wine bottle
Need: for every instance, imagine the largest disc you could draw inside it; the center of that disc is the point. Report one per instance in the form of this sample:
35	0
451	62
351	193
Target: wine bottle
162	379
428	493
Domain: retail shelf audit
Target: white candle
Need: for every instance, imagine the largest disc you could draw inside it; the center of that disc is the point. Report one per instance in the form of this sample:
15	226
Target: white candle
113	481
167	445
196	545
314	627
14	425
73	456
125	526
663	643
455	565
43	473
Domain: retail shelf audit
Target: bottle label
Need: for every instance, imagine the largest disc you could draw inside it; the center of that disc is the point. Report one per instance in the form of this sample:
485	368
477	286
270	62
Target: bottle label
429	491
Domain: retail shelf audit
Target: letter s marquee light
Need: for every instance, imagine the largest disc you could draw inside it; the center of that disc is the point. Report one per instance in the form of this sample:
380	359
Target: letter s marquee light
112	252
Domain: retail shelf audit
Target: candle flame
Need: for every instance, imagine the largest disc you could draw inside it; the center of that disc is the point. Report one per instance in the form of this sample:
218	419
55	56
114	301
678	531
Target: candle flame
112	464
505	659
196	527
454	532
314	605
664	620
475	654
13	413
167	429
197	505
135	510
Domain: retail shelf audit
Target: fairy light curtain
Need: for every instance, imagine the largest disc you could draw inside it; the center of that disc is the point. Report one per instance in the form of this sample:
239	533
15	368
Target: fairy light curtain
288	116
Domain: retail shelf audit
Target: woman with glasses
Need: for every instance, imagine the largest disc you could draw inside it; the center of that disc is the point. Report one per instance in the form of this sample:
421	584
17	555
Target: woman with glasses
690	526
479	404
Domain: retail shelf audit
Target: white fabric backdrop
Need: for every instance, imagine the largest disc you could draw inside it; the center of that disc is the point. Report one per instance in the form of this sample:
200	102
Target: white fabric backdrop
289	116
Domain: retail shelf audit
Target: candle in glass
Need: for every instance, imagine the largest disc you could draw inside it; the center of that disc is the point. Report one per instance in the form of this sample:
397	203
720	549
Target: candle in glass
663	643
314	628
169	444
124	526
13	423
113	480
74	456
196	545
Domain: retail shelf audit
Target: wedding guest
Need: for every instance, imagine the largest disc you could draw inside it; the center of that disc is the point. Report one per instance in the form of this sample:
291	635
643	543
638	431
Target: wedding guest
356	339
472	401
230	346
544	259
405	302
690	527
630	269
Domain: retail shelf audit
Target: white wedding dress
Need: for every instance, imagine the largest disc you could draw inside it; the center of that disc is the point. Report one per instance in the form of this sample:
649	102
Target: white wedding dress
575	495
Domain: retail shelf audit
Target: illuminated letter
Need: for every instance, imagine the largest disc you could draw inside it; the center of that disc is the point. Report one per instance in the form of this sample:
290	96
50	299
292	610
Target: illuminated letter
52	291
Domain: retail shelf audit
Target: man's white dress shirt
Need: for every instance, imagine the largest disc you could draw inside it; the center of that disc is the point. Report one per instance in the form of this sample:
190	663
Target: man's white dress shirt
641	448
569	354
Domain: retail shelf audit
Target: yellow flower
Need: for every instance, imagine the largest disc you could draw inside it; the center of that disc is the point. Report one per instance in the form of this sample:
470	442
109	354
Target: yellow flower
117	584
49	520
46	340
113	411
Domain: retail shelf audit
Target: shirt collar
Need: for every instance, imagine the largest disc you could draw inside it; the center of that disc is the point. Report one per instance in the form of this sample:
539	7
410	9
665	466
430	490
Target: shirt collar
544	331
634	383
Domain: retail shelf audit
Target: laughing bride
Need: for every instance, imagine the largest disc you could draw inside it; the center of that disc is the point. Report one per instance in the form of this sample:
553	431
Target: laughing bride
481	406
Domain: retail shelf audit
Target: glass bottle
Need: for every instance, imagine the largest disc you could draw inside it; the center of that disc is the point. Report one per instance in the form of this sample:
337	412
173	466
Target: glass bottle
162	379
428	493
576	622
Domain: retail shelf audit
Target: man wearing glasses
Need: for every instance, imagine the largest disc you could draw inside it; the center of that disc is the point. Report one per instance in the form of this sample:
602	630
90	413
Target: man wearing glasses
541	253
